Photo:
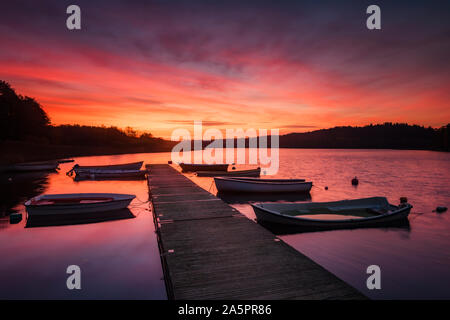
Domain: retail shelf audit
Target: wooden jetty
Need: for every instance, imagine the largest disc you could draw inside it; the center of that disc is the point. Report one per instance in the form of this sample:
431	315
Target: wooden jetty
211	251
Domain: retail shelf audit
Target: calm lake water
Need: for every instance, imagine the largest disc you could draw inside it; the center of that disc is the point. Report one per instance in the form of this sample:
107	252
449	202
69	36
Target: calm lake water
120	259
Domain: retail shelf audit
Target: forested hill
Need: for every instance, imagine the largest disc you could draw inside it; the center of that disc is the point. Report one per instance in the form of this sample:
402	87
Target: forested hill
380	136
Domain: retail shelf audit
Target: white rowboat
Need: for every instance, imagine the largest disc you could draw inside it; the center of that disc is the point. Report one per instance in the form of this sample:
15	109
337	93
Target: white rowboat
261	185
365	212
49	204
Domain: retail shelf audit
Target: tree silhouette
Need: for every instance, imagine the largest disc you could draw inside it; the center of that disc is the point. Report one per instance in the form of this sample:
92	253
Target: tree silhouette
20	117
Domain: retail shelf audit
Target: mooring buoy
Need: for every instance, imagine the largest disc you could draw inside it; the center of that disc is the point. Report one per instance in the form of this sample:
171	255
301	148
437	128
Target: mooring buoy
355	181
441	209
15	218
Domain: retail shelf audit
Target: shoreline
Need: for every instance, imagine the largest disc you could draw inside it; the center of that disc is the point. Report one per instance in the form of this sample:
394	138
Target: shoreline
15	152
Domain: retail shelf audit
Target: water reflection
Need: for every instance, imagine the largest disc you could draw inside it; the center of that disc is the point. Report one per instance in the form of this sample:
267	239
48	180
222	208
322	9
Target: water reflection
117	251
79	218
402	225
241	198
16	188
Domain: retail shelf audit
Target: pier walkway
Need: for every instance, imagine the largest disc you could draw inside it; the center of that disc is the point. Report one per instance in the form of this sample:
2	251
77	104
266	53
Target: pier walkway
211	251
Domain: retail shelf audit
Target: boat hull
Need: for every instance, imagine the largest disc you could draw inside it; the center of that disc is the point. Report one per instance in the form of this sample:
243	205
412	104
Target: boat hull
111	174
119	201
125	166
275	218
35	166
263	186
190	167
240	173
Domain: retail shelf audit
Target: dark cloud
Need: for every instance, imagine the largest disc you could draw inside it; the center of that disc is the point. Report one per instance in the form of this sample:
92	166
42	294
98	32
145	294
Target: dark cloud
206	123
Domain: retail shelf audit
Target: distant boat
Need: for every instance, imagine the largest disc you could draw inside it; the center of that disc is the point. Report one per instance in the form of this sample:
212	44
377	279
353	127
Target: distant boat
65	160
364	212
77	203
125	166
35	166
111	174
237	173
191	167
261	185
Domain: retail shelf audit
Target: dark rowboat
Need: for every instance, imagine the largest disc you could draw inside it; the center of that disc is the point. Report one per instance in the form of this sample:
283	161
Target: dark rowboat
35	166
192	167
111	174
237	173
88	169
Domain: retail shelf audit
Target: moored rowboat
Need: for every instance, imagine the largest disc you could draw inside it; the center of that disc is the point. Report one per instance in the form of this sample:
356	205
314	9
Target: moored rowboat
35	166
238	173
110	174
261	185
192	167
77	203
125	166
66	160
356	213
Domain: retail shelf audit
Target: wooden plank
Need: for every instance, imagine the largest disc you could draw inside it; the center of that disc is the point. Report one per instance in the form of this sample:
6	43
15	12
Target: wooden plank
211	251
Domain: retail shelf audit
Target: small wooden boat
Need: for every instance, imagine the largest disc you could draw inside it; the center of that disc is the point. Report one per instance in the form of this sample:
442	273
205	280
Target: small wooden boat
111	174
261	185
125	166
356	213
35	166
192	167
77	203
237	173
66	160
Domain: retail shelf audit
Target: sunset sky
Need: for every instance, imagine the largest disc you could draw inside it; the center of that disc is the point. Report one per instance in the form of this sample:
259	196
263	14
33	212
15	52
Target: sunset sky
293	65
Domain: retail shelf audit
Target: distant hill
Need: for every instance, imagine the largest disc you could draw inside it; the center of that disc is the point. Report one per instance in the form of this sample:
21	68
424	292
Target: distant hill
380	136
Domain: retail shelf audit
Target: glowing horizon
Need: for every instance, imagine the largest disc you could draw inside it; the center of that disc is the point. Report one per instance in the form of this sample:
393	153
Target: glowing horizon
294	66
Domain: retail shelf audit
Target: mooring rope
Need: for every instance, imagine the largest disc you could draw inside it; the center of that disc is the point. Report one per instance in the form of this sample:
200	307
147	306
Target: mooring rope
211	185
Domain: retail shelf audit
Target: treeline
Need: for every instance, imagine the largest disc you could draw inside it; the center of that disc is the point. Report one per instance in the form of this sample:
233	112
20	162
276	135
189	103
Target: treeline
26	134
107	136
380	136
